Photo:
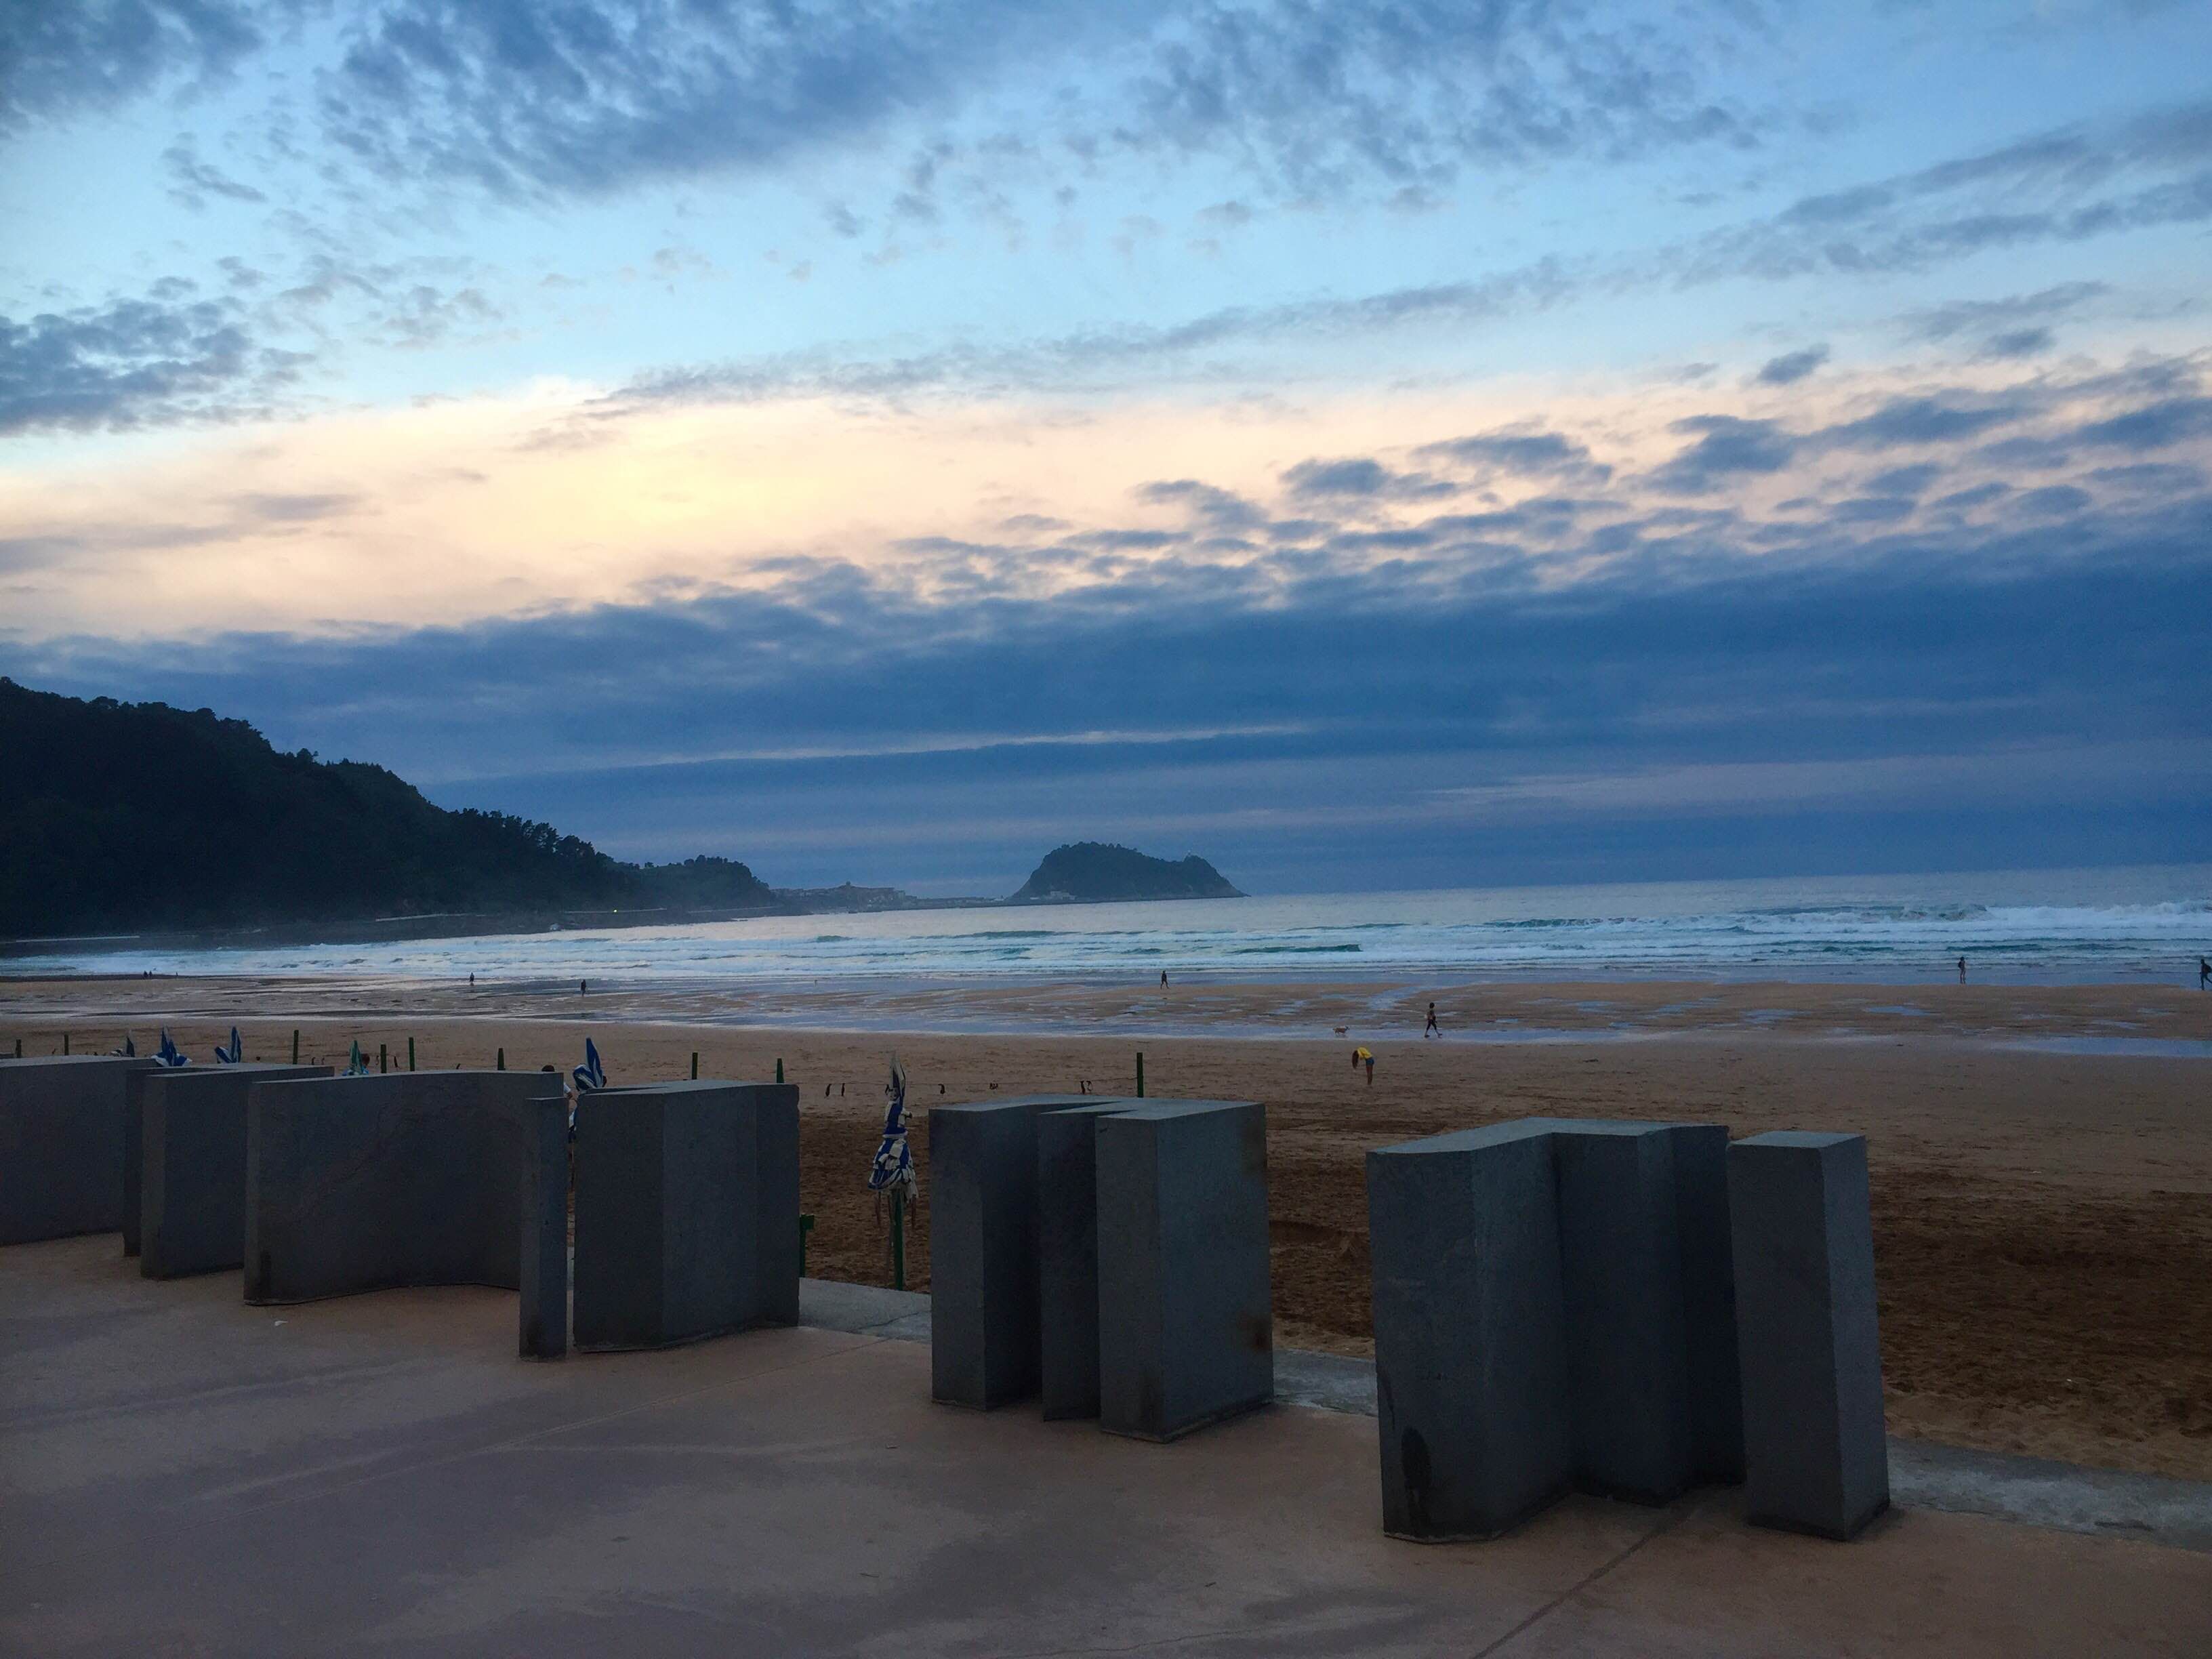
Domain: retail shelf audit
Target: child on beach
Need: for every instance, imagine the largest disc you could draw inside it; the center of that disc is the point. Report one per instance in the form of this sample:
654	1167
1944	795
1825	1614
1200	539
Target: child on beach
1431	1030
1364	1057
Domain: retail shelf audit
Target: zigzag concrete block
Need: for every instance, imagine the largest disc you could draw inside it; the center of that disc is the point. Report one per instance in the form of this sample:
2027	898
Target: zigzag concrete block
1816	1458
1186	1333
687	1212
1472	1376
983	1248
364	1183
62	1123
188	1149
1620	1259
1068	1255
1701	1212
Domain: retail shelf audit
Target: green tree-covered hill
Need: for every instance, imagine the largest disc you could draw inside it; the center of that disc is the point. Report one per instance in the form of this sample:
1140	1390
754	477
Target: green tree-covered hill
131	817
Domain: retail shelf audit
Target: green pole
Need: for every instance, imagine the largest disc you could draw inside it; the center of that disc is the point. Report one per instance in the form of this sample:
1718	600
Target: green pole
779	1070
805	1226
19	1048
501	1061
1140	1073
381	1067
898	1238
410	1054
64	1041
295	1045
695	1065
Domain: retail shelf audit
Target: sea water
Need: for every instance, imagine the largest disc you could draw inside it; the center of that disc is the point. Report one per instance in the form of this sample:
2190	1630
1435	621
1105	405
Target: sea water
2112	925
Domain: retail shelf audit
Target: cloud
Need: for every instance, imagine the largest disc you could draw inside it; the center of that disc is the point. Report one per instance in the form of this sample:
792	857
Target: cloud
1906	480
2019	342
1792	367
1360	478
1524	450
2065	185
57	57
2154	426
587	99
2012	326
1386	98
1906	421
295	509
1728	448
192	181
135	362
2052	501
1099	356
1723	689
1224	509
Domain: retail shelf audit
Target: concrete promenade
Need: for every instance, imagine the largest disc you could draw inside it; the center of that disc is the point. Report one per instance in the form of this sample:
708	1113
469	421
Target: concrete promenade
182	1474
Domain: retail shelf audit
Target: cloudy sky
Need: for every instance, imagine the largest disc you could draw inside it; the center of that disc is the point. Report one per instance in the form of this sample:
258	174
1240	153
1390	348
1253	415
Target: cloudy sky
1373	443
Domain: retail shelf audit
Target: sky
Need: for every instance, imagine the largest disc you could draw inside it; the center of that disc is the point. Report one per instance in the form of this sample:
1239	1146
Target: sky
1371	444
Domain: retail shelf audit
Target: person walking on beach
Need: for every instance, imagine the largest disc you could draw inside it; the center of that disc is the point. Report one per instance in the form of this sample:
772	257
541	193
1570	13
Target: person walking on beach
1364	1057
1431	1030
1962	970
1163	979
2203	972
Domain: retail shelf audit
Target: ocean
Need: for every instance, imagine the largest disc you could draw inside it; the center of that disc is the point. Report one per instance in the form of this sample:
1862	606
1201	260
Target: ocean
2141	925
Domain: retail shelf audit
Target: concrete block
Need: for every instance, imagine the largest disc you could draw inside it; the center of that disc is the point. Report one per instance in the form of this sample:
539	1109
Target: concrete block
188	1150
779	1250
62	1122
1621	1262
1186	1333
1473	1404
1701	1212
687	1212
134	1088
1068	1255
1815	1457
983	1248
414	1178
1707	1288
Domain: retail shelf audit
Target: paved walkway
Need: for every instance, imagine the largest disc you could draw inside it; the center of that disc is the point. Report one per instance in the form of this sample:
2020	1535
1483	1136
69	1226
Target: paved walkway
2032	1490
180	1473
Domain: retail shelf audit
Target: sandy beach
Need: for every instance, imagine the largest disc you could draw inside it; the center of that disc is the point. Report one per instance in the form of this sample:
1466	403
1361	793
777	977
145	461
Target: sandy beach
2042	1157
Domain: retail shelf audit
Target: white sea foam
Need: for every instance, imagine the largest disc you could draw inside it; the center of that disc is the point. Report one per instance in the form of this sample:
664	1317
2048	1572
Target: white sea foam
2144	924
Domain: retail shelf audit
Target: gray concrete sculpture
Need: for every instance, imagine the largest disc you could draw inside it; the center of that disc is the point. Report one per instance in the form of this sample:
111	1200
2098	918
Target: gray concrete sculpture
1067	1257
687	1212
1552	1308
1628	1358
1816	1458
186	1151
1186	1330
62	1122
983	1248
1120	1273
1473	1399
362	1183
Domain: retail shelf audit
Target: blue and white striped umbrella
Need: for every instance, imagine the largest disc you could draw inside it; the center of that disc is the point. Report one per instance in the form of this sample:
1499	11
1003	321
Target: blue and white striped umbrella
232	1054
169	1053
894	1165
591	1074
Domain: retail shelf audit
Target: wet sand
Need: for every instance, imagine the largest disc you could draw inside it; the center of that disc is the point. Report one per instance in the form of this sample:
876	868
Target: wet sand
2043	1218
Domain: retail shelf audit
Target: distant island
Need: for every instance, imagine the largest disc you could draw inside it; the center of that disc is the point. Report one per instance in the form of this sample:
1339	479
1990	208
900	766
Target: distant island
143	820
1096	873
